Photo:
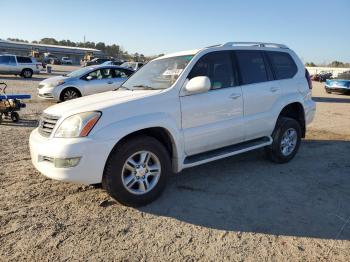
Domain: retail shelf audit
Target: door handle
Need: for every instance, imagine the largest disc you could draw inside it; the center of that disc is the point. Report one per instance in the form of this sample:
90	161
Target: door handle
235	96
274	89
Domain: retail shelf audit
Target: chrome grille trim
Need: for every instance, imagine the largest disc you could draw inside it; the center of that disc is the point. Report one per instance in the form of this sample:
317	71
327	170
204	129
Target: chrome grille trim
47	123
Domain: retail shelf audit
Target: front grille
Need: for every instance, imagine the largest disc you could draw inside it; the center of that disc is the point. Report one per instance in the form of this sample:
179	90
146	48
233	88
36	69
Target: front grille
47	124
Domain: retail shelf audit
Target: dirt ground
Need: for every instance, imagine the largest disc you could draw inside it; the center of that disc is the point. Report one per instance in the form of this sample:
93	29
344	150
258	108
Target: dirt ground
243	208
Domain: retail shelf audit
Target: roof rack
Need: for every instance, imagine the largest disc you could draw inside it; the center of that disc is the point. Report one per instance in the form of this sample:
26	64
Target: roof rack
259	44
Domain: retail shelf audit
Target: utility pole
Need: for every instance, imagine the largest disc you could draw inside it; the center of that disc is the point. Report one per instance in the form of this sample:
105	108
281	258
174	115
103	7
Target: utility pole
84	39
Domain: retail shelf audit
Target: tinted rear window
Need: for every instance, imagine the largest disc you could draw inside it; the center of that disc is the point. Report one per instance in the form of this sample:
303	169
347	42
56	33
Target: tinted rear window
283	65
23	59
252	67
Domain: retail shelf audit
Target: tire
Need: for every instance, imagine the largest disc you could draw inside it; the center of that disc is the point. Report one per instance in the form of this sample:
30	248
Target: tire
69	94
27	73
1	118
14	117
130	188
287	131
328	92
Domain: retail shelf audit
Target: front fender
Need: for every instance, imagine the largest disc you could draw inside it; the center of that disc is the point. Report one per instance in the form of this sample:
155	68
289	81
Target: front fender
116	131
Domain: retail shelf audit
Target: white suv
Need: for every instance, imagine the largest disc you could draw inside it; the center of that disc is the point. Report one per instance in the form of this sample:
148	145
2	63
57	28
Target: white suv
178	111
24	66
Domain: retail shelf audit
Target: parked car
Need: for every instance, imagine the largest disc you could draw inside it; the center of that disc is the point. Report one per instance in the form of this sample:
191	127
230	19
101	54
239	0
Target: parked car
51	59
178	111
95	61
66	61
340	84
117	63
322	76
82	82
132	65
24	66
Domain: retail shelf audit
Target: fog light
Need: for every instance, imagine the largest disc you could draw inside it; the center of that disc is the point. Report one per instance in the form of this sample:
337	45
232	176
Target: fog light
66	162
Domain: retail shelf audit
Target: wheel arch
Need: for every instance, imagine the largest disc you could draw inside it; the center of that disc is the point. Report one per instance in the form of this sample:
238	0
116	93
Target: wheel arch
69	87
296	111
162	134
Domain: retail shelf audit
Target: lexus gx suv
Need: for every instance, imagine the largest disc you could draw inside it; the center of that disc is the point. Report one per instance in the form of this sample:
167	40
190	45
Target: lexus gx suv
178	111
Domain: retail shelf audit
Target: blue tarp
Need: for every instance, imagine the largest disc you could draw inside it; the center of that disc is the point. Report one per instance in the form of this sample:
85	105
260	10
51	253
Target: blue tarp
15	97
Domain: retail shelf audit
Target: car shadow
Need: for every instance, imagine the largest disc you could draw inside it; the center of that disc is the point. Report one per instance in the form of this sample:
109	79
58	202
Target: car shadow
5	77
307	197
20	123
331	99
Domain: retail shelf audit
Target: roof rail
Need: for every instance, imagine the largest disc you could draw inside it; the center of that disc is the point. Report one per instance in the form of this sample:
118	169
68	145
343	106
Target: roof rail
259	44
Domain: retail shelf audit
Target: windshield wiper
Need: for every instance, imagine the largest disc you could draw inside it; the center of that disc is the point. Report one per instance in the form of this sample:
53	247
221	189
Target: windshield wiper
124	87
145	87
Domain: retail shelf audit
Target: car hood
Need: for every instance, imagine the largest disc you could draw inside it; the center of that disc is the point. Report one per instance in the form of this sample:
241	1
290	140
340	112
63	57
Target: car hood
97	102
55	79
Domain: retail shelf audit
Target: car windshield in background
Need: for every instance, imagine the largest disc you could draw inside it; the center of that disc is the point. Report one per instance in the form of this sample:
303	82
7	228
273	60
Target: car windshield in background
79	72
158	74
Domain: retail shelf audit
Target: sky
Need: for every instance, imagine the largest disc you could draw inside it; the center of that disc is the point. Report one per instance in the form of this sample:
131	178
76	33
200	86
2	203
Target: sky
317	31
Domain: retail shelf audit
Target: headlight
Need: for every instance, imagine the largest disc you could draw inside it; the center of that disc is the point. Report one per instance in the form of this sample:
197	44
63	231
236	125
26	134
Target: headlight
78	125
61	82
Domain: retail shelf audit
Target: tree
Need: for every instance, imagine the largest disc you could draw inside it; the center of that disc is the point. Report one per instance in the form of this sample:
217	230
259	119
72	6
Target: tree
336	64
310	64
48	41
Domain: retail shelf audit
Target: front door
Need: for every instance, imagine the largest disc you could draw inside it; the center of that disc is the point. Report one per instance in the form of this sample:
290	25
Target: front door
214	119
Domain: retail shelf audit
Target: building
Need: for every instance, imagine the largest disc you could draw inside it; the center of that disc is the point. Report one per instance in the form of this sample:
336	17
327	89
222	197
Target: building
74	53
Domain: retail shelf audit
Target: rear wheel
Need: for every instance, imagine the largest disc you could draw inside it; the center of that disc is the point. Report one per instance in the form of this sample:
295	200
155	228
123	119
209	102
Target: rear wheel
136	171
286	140
27	73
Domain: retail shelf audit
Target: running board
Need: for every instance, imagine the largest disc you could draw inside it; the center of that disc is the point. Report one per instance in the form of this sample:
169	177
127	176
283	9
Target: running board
226	151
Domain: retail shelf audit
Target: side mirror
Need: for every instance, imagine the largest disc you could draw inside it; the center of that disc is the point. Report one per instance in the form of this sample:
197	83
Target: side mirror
199	84
88	78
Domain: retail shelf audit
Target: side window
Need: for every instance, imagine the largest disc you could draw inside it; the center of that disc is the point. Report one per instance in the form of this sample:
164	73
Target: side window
128	72
106	73
218	67
119	73
283	65
94	75
5	60
23	59
252	67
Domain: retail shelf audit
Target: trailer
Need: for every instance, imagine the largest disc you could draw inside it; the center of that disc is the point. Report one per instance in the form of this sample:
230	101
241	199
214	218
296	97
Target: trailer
10	104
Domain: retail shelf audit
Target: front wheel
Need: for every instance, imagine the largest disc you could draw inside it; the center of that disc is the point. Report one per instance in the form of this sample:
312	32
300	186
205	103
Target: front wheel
136	171
286	140
69	94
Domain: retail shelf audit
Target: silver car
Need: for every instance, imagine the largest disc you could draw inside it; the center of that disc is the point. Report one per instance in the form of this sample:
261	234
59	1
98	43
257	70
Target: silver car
85	81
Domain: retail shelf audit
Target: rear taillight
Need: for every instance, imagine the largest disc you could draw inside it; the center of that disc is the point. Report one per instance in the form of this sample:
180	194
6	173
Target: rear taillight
308	78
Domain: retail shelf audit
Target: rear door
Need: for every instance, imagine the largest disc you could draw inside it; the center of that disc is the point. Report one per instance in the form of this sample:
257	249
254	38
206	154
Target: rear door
260	92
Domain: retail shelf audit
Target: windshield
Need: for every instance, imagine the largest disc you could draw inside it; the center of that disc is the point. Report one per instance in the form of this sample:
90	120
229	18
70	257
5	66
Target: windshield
158	74
79	72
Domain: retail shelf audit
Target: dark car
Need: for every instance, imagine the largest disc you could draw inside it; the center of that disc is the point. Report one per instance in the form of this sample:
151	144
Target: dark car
96	61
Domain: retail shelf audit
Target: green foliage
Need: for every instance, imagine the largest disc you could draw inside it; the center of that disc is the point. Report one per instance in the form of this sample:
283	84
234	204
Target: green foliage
113	50
310	64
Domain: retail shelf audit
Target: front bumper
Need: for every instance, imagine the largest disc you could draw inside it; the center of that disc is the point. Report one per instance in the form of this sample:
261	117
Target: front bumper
90	168
340	89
